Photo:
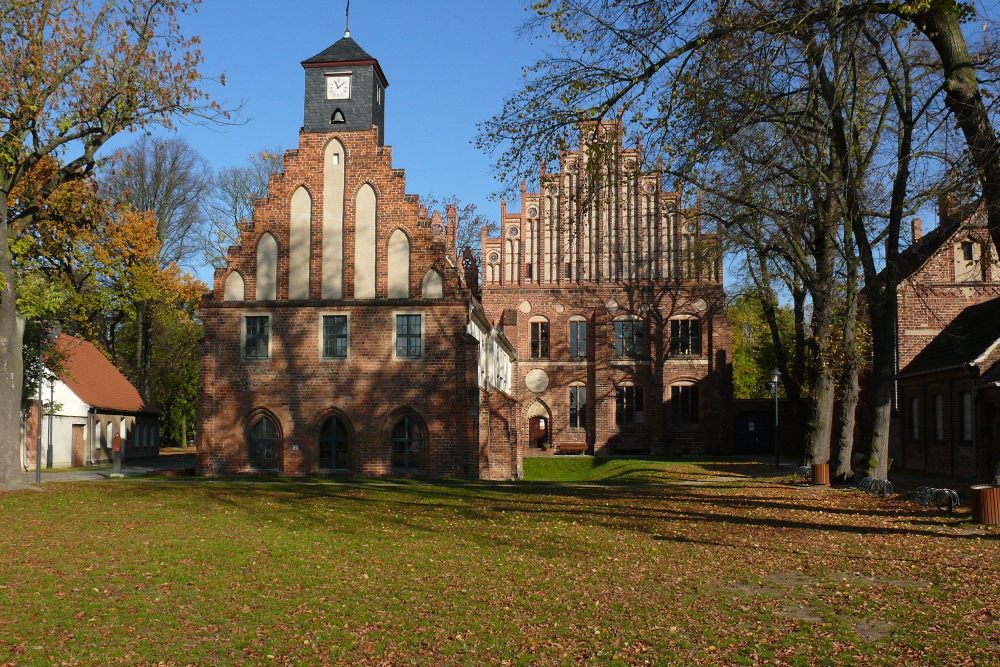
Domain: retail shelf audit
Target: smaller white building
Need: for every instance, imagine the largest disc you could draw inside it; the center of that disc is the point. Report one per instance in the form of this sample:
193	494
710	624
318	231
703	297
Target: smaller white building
93	402
496	353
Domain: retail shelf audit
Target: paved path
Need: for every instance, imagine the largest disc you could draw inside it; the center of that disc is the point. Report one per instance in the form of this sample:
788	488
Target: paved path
138	469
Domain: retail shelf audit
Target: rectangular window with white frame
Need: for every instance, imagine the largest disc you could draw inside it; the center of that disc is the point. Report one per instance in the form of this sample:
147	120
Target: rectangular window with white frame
409	336
939	417
335	336
257	337
966	416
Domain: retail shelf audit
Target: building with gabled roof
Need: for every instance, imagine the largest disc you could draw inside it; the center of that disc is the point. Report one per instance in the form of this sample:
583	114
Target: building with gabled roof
949	397
93	402
344	334
613	295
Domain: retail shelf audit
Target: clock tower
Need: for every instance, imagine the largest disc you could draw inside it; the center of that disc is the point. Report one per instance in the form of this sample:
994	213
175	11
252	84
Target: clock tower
345	90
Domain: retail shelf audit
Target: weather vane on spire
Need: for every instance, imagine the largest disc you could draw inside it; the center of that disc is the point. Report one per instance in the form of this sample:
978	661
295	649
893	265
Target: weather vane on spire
347	20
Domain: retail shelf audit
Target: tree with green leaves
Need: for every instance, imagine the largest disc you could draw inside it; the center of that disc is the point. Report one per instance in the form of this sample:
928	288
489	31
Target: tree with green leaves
72	76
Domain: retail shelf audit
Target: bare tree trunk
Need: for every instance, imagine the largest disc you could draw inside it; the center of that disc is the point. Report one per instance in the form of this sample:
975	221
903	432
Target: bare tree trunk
882	307
11	365
821	419
849	399
941	23
144	335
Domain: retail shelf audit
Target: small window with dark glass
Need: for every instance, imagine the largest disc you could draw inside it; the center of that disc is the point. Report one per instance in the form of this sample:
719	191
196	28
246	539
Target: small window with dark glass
334	336
539	340
578	407
257	337
968	253
577	339
408	336
684	404
685	338
630	339
629	406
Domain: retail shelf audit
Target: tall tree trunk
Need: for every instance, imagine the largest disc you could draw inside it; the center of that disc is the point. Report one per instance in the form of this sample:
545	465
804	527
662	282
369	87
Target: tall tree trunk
882	310
963	98
851	387
11	365
144	335
800	365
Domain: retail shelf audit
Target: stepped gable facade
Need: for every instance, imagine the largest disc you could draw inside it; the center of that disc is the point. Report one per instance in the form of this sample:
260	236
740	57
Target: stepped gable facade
342	335
951	268
947	419
612	295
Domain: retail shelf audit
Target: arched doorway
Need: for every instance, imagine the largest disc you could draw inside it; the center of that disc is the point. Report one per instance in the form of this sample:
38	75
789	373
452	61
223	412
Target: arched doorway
539	426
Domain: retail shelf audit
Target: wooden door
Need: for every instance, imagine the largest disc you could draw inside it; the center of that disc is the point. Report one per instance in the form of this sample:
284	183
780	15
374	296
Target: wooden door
538	433
79	453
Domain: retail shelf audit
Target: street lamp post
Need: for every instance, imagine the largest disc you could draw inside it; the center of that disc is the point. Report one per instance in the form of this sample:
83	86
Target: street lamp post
775	376
52	400
50	338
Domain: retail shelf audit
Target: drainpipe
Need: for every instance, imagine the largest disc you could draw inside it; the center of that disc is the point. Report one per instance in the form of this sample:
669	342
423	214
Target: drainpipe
90	436
24	441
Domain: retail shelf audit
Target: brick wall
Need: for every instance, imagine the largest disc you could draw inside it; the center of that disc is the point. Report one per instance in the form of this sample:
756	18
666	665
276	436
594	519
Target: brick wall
931	297
370	390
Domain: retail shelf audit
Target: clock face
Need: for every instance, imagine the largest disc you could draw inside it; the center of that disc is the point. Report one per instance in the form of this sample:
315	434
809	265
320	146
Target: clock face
338	86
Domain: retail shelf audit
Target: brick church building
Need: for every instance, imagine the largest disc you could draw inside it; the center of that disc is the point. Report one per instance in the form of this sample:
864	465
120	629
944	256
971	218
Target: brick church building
345	334
612	295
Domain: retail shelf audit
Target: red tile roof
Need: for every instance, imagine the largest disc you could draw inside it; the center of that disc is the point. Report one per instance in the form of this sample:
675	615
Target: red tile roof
96	380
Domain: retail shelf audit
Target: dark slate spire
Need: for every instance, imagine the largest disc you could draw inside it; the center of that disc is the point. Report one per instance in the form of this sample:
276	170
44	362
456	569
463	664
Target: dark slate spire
346	51
345	90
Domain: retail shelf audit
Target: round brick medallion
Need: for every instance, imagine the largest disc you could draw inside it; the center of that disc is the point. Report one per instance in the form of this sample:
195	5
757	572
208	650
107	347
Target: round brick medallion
536	380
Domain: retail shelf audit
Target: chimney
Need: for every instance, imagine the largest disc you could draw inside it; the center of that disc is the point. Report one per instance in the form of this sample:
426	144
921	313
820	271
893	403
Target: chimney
916	230
946	207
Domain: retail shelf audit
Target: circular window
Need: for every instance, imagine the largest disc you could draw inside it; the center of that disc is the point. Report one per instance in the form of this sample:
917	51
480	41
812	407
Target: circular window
690	228
513	231
533	212
494	257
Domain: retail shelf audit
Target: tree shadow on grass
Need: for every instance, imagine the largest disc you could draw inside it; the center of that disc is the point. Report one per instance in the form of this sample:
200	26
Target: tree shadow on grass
636	509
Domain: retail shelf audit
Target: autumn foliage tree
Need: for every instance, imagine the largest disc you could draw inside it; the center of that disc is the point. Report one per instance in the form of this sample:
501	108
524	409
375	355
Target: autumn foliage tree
73	74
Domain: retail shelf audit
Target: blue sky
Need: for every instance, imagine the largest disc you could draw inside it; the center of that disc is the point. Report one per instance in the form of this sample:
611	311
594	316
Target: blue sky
449	64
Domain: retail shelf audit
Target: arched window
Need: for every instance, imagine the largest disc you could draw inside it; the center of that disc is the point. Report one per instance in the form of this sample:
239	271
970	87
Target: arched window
539	337
333	443
432	286
399	265
365	218
263	444
407	444
300	226
267	268
684	406
234	288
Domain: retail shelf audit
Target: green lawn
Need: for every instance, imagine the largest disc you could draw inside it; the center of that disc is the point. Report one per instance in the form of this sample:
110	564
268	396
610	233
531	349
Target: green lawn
644	470
755	570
